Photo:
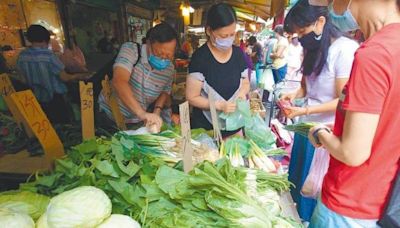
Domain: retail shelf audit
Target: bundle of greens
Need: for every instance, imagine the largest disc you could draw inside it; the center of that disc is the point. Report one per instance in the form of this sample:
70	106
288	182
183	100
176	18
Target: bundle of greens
244	152
12	137
301	128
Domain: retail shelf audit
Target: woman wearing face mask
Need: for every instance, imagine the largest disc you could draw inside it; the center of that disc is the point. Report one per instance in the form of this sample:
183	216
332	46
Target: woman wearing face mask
328	57
217	66
364	145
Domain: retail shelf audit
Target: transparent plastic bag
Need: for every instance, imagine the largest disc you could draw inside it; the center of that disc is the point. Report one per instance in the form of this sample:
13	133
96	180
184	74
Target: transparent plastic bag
236	120
319	166
257	130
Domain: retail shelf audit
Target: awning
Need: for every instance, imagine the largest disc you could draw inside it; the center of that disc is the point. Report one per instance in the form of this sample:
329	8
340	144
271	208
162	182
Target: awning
264	9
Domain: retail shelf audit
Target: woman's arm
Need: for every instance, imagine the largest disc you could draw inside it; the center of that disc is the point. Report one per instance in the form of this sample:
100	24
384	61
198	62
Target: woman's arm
329	106
354	147
279	52
193	95
244	88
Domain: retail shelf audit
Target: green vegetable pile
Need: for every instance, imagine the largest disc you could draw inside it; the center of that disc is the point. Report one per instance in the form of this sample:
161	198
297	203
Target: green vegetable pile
301	128
157	193
12	137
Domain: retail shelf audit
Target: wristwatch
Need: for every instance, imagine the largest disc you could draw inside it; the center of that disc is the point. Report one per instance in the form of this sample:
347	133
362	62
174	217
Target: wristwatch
315	134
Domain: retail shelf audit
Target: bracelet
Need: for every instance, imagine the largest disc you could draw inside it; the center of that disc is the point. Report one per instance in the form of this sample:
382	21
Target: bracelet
157	107
315	134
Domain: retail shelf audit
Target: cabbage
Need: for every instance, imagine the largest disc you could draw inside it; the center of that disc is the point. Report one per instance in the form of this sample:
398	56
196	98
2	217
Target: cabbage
117	220
12	219
42	222
29	203
84	206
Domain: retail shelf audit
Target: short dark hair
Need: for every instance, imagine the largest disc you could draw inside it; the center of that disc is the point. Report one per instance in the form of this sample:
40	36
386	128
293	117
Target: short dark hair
37	34
279	29
161	33
252	40
220	15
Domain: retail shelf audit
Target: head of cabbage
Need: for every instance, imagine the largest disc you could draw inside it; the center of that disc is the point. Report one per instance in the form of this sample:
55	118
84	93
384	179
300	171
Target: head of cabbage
117	220
84	206
13	219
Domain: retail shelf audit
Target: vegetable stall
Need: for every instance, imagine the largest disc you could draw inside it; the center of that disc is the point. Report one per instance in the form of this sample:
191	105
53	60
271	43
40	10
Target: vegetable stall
126	180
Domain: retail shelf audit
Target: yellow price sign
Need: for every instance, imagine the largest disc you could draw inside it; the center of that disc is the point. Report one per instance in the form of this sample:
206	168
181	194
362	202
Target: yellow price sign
6	89
30	109
87	114
113	103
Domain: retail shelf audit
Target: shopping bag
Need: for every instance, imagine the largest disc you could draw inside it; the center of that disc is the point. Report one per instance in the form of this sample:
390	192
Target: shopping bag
391	217
236	120
319	166
257	130
267	80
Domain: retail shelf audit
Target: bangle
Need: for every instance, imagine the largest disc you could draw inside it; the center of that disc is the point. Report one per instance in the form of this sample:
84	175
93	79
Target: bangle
315	134
157	107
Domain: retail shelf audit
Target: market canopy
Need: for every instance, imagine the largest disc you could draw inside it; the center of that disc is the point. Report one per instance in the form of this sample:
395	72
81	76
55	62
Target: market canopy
264	9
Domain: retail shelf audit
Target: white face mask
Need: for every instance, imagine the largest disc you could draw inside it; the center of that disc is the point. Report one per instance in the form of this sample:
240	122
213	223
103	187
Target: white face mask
345	22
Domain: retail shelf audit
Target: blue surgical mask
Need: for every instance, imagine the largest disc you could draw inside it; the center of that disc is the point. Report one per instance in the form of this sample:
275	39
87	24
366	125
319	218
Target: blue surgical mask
159	63
224	43
345	22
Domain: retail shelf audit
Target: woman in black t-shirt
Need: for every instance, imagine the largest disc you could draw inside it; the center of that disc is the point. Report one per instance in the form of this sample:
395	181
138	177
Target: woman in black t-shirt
217	66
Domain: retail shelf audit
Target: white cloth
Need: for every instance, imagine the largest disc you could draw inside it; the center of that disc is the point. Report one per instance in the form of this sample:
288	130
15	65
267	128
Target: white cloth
322	88
294	56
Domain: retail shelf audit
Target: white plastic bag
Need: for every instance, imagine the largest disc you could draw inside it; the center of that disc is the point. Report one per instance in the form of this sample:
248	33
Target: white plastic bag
267	80
319	166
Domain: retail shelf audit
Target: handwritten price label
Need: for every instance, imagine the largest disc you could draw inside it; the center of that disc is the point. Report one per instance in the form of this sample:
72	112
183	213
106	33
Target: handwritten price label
113	103
6	89
31	111
187	149
86	92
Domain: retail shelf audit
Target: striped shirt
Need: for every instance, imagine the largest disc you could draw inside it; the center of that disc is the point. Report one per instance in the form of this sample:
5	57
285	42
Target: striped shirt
42	68
146	83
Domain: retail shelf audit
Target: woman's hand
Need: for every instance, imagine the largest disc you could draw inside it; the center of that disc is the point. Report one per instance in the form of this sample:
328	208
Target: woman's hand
225	106
314	141
292	111
288	97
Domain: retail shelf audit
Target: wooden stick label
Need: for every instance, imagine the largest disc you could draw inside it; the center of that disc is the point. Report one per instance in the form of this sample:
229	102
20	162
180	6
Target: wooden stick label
87	114
187	150
113	103
38	122
214	118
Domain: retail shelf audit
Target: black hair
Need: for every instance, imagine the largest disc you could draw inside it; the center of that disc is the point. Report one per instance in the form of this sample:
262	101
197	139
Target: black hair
161	33
37	34
303	15
252	40
279	29
398	3
220	15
